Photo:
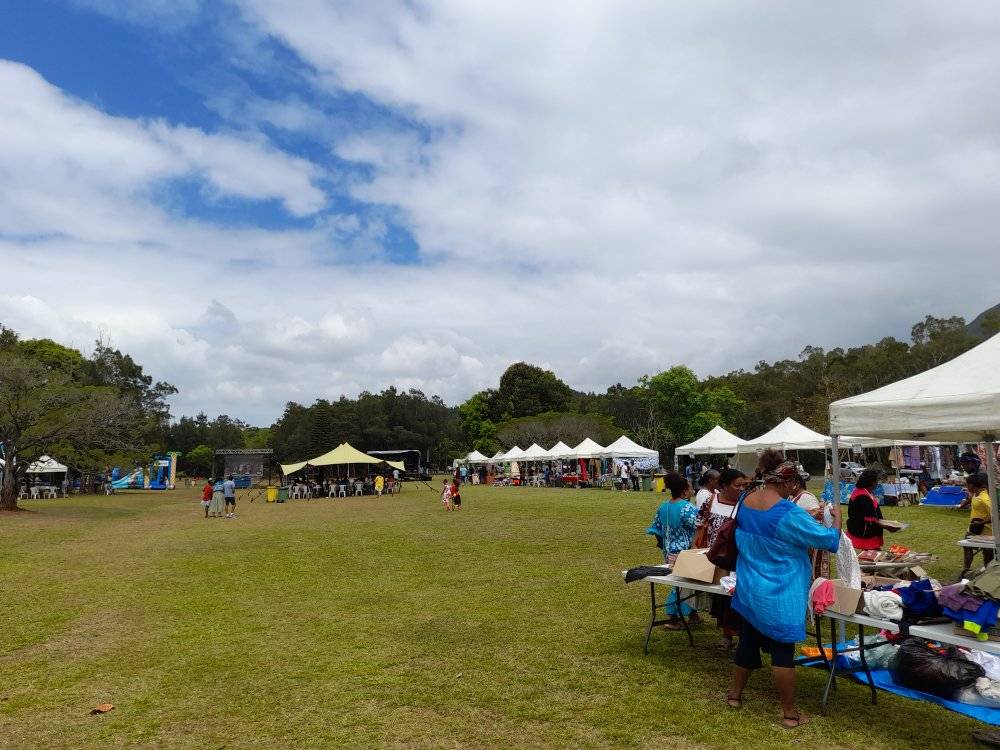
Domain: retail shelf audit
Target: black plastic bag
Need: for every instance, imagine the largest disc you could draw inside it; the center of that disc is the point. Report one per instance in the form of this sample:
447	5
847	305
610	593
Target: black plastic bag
941	672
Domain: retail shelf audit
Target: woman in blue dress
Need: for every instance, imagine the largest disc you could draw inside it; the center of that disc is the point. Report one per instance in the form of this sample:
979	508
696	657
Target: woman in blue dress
675	523
773	574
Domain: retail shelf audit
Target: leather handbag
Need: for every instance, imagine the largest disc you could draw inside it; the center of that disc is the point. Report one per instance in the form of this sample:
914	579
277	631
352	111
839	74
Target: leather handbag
723	552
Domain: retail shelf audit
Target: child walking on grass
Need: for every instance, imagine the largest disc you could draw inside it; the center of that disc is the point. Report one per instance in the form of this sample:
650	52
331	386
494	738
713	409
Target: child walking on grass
446	495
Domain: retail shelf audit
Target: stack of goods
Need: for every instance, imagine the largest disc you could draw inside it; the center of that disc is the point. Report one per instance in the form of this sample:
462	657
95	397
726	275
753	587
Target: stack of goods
904	601
974	604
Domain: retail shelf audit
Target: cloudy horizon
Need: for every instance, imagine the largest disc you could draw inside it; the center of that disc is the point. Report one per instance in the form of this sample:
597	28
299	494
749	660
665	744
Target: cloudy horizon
267	204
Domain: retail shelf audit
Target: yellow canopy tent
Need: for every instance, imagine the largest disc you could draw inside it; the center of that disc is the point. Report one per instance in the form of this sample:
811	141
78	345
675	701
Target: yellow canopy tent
287	469
343	455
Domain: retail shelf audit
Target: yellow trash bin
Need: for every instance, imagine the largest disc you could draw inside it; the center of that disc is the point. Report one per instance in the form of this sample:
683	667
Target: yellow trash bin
272	494
659	483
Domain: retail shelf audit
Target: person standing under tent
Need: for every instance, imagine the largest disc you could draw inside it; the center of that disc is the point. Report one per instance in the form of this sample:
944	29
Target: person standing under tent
229	493
773	574
634	474
395	481
623	473
981	520
464	472
708	485
864	514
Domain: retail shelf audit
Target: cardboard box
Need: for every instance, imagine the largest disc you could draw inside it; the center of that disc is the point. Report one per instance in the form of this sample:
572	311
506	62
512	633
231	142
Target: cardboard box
847	601
694	564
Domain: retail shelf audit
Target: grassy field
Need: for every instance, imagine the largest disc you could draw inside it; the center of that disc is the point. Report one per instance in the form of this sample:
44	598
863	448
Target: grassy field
387	623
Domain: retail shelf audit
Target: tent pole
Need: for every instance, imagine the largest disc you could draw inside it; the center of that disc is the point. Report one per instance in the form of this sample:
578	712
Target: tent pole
991	474
835	469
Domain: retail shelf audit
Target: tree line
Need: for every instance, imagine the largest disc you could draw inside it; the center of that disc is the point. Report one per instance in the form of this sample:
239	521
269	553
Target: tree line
100	410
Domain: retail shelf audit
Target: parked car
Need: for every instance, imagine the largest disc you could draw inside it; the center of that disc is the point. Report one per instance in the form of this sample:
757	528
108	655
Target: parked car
850	470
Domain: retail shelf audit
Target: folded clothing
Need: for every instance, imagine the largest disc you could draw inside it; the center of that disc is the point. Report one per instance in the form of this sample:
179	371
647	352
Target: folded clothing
919	600
821	595
978	622
886	605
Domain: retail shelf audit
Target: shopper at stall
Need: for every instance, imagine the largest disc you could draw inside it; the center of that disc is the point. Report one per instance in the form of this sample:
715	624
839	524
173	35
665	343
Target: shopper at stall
981	514
803	497
708	485
674	523
732	483
864	514
773	575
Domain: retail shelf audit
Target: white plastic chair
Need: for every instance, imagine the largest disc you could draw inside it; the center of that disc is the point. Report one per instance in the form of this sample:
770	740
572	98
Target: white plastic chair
34	493
359	488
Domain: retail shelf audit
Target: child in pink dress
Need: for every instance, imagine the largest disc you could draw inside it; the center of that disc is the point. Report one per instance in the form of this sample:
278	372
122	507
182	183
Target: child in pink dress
446	495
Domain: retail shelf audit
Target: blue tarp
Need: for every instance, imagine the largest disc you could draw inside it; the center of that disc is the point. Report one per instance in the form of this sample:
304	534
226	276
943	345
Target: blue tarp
947	495
883	679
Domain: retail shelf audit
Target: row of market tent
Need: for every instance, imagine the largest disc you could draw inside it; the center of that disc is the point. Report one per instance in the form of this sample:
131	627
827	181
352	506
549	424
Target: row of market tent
623	447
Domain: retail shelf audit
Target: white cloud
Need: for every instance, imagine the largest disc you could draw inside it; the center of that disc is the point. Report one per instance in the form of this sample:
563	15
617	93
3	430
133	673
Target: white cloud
609	188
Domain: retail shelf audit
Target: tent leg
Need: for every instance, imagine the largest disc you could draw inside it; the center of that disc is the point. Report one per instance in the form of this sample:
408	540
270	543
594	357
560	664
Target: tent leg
991	474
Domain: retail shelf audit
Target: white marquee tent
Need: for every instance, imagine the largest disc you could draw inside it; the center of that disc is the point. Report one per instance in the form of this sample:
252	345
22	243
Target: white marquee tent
586	449
559	450
476	458
787	435
535	452
514	454
716	441
47	465
958	401
625	447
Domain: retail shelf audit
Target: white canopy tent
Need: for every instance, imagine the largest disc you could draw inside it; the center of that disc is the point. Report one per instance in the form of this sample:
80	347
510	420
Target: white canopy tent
47	465
497	457
476	458
514	454
787	435
716	441
958	401
557	451
587	449
625	447
535	452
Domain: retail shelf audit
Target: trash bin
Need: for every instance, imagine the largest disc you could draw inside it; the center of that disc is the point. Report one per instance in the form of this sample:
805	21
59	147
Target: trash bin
647	482
659	482
272	494
282	494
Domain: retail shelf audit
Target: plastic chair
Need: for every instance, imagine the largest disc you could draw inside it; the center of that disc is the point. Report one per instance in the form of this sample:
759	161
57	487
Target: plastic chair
359	488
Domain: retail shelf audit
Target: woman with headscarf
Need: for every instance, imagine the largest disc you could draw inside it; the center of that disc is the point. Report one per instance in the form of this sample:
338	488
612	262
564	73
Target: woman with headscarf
773	575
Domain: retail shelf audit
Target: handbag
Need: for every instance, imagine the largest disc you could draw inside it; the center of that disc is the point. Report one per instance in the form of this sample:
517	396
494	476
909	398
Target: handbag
976	526
723	553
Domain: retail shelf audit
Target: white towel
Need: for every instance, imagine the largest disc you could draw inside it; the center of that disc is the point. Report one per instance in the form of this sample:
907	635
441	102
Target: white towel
885	605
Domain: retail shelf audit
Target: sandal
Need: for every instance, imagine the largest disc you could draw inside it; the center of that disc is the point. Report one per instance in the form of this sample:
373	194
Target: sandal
796	721
732	701
674	625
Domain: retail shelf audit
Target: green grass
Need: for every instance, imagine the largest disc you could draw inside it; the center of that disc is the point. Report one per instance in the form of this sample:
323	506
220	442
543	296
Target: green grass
385	624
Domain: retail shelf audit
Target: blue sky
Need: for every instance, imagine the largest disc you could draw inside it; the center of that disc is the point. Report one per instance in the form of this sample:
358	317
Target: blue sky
267	202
